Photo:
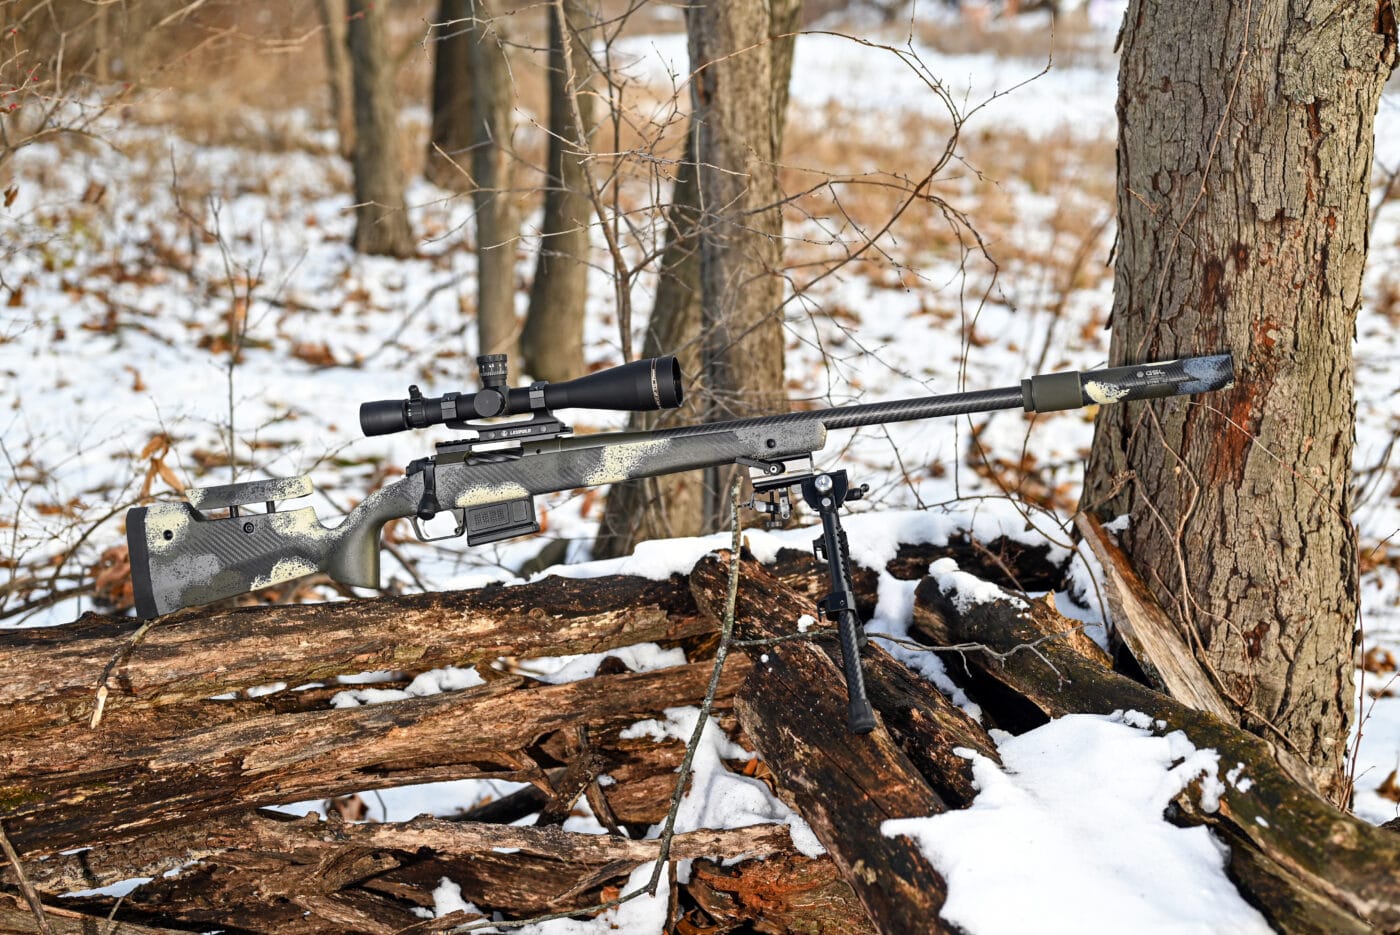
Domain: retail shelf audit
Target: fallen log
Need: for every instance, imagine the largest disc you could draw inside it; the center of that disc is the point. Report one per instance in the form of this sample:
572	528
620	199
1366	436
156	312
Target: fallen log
87	786
53	673
255	863
16	917
1307	865
194	654
1155	643
844	785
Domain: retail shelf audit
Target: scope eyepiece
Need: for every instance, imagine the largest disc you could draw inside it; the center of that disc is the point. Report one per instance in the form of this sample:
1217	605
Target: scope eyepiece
641	386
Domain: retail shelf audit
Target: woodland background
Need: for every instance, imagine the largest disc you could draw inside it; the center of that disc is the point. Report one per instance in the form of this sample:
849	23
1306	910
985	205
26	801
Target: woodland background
188	295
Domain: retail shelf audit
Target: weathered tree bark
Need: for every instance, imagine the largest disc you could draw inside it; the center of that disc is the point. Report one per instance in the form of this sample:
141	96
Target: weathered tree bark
922	722
339	80
741	286
673	506
669	506
55	672
844	785
777	896
1311	867
306	862
128	785
498	331
1140	625
1244	154
381	218
447	162
552	339
15	916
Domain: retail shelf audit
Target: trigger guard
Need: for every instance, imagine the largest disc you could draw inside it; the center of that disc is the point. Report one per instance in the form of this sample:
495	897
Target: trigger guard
459	514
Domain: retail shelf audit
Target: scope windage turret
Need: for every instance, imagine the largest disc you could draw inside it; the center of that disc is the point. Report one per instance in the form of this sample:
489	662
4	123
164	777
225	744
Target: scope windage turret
641	386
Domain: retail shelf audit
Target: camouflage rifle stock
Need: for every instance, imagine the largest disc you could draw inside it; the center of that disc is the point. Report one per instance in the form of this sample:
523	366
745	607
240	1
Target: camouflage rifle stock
182	556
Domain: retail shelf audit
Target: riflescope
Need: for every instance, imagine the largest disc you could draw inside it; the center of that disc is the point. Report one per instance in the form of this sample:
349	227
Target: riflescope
641	386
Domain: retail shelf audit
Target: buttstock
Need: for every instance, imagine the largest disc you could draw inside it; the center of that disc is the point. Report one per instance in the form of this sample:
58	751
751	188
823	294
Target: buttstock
181	557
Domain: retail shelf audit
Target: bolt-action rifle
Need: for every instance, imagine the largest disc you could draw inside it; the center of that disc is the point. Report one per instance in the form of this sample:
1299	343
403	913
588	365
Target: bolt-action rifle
182	554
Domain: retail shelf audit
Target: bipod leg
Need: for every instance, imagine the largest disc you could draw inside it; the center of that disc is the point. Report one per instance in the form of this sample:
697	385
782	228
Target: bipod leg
825	493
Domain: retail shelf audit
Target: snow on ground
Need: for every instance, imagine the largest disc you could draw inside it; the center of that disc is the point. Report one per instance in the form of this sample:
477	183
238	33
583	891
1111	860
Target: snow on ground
1074	815
124	268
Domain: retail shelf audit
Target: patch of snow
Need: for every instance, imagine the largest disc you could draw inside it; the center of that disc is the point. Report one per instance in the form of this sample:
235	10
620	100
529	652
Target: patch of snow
1075	818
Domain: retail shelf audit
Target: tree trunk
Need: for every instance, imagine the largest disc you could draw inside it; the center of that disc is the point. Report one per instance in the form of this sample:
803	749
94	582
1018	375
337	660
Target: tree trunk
447	163
339	80
1244	153
676	505
497	328
381	219
741	287
552	340
668	506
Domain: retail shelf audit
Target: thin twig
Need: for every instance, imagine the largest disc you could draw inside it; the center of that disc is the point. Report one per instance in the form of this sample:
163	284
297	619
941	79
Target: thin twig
121	655
36	905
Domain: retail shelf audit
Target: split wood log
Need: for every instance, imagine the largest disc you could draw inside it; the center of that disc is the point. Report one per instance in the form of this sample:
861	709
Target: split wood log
1309	866
924	723
1003	561
254	861
779	895
642	770
88	786
844	785
52	674
16	917
1154	641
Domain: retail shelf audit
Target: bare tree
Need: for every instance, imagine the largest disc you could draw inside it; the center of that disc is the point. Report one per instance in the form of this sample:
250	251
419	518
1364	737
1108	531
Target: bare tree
658	507
339	80
741	287
496	222
673	505
1244	151
552	340
381	219
451	135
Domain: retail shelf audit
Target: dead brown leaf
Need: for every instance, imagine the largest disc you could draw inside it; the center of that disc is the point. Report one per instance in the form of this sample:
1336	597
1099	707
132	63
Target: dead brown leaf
1379	660
1390	789
111	578
318	355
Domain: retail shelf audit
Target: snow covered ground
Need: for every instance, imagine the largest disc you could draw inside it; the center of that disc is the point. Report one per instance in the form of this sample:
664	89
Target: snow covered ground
124	266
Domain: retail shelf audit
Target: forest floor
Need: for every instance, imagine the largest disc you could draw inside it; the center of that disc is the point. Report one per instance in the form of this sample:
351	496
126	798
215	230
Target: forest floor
179	306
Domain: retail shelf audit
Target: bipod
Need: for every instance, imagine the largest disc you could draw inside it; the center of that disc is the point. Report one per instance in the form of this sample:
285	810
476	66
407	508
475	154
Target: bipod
826	493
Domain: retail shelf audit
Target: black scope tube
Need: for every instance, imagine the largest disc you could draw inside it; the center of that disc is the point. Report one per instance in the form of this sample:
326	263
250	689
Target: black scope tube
641	386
